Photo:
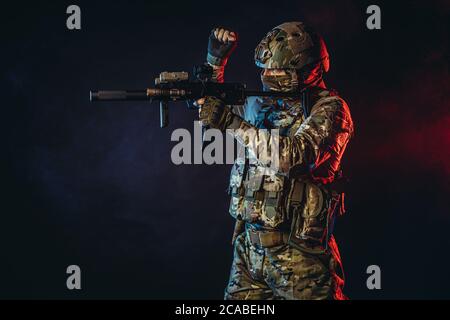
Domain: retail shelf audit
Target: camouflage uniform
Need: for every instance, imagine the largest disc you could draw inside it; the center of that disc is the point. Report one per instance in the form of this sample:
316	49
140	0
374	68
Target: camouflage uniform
281	272
307	268
287	250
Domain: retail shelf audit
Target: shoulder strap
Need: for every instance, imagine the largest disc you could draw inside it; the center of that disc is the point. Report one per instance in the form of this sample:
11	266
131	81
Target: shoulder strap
306	103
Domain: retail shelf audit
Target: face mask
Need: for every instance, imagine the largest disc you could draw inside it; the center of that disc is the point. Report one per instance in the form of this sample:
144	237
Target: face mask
294	79
282	83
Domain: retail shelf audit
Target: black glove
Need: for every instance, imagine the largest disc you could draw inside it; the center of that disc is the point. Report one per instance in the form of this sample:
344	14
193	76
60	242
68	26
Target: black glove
215	114
220	46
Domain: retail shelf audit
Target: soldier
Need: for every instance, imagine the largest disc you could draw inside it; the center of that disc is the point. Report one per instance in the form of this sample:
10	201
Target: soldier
283	242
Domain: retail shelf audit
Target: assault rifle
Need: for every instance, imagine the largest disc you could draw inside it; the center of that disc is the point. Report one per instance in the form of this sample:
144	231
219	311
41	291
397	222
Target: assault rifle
176	86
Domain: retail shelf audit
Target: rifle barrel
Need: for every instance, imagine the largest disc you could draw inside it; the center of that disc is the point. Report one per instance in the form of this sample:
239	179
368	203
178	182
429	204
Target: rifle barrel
118	95
148	94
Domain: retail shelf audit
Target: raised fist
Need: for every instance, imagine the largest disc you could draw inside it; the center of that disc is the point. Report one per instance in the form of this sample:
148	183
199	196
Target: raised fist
224	35
221	44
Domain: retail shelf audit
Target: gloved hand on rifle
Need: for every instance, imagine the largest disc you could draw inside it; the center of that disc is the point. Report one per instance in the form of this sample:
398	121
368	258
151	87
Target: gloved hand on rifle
213	113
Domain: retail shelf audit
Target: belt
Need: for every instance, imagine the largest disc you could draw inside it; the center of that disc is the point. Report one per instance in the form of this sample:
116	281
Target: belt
267	239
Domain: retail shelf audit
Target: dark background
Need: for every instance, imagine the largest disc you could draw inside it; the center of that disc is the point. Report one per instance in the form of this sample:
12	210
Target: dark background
93	184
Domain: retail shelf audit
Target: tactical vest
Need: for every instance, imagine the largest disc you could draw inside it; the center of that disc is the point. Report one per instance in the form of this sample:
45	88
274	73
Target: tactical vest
273	201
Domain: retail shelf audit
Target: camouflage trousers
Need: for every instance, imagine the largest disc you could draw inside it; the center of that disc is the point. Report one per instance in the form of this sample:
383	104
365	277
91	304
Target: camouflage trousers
280	272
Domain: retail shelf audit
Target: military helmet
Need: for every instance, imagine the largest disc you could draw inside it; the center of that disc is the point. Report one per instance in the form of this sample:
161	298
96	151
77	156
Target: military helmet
291	45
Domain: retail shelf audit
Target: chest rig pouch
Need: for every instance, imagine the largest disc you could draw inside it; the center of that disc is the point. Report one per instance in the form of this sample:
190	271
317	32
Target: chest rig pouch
313	209
256	196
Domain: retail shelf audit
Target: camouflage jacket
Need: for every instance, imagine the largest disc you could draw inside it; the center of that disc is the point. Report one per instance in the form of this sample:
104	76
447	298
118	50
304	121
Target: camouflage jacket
309	152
